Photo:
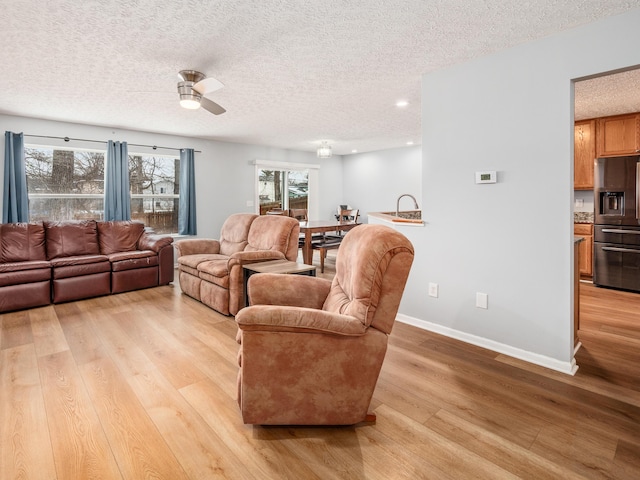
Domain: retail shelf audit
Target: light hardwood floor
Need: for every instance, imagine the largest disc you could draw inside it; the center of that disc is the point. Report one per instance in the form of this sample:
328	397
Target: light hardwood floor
142	385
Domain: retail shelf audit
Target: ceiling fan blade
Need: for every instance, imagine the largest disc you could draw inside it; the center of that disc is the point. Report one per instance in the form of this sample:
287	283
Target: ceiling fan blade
207	85
211	106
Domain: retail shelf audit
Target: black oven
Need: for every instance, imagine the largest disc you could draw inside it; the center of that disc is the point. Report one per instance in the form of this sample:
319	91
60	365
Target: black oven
616	251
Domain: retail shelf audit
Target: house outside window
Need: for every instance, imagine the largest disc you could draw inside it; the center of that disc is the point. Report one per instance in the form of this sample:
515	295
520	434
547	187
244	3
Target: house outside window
154	182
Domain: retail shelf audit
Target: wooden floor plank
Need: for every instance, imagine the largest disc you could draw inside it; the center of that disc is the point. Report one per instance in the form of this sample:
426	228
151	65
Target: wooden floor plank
521	462
442	454
263	458
80	446
582	451
81	337
47	333
139	448
16	329
25	444
201	452
163	350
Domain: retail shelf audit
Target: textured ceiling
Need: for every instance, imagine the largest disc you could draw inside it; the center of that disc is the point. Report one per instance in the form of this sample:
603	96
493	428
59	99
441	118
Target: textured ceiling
608	95
295	72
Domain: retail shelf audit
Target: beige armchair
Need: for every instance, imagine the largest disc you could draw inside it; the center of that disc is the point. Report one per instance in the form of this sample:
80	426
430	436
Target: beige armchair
211	270
311	349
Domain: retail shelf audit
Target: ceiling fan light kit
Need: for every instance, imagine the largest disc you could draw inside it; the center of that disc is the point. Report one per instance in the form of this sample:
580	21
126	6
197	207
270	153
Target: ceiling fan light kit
191	88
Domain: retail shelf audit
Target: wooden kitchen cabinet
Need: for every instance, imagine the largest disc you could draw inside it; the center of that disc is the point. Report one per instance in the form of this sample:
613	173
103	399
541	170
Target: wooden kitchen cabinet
585	230
584	154
618	135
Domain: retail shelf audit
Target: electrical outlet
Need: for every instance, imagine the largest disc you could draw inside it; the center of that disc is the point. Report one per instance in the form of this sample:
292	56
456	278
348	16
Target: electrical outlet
433	290
482	300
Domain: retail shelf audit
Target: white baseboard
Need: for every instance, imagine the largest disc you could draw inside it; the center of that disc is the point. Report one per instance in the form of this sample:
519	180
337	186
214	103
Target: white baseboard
569	368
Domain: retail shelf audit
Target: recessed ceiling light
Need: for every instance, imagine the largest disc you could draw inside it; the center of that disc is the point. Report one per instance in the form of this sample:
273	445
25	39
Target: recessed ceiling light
409	143
354	151
402	103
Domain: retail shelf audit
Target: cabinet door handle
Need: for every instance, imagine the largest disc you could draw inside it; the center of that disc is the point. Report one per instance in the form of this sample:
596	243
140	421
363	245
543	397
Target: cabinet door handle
609	230
618	249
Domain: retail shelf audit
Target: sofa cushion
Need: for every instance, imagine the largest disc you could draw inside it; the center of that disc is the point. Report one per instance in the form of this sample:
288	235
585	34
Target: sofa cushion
215	271
25	276
217	268
133	260
118	257
81	269
234	233
21	242
21	266
119	236
66	239
192	261
78	260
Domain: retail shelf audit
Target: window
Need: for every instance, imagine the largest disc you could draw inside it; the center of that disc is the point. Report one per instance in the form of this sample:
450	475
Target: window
68	184
64	184
286	185
155	191
283	189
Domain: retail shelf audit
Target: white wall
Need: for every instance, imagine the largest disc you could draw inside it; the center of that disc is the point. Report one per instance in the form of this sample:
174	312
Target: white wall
511	112
225	174
587	201
373	181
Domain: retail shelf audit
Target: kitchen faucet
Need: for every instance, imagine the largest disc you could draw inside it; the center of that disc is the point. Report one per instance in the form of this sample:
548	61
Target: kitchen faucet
415	202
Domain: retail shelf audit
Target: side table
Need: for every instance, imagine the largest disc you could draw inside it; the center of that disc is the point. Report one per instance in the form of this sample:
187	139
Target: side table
274	266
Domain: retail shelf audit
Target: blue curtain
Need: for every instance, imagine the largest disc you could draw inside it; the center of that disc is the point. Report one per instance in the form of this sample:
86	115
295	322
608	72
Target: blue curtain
187	213
15	201
117	199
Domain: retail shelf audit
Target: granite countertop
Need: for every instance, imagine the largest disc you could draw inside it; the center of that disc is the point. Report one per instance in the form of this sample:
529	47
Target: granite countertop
582	217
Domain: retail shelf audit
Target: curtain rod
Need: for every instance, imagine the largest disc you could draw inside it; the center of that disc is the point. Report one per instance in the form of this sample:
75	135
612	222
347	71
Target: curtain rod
67	139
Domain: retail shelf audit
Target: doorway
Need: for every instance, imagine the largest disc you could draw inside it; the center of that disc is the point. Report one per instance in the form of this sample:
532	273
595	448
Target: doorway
596	97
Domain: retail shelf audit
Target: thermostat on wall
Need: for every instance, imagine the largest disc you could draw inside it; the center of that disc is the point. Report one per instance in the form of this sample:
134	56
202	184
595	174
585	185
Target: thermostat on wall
486	177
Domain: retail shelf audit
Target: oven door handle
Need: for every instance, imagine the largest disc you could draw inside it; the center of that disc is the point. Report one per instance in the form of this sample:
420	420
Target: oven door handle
618	249
610	230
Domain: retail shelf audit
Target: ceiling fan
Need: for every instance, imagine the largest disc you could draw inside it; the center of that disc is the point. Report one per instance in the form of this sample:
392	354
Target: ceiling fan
193	86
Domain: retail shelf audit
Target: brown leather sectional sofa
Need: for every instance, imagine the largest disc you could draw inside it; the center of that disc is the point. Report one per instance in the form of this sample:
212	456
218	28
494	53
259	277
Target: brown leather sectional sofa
54	262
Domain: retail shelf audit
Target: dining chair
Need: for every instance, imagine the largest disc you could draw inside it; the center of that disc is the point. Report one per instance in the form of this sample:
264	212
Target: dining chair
299	214
333	241
277	211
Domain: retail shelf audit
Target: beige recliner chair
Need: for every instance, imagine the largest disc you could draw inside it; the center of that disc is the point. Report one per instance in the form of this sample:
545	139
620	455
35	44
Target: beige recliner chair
311	349
211	270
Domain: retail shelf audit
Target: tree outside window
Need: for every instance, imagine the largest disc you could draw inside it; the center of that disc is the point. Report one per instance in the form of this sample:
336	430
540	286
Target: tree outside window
68	184
64	184
282	189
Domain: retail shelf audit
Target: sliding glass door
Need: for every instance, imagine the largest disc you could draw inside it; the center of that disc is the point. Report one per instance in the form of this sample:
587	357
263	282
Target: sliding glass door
282	189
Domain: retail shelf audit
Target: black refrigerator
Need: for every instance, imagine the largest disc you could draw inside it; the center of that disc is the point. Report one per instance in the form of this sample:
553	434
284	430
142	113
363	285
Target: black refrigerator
616	241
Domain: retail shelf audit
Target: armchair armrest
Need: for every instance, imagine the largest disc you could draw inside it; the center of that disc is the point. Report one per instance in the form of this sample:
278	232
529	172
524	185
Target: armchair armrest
291	290
154	242
252	256
276	318
195	246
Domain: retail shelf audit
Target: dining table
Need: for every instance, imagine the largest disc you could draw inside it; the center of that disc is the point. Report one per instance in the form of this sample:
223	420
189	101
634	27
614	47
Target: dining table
311	227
